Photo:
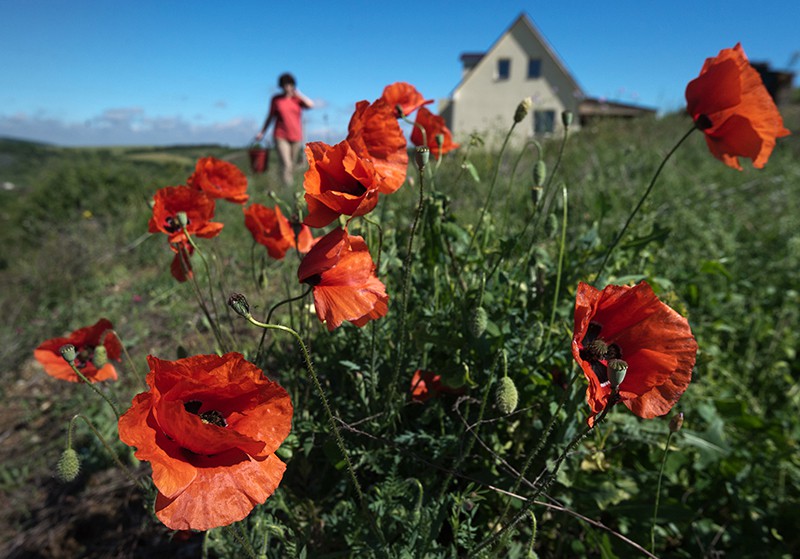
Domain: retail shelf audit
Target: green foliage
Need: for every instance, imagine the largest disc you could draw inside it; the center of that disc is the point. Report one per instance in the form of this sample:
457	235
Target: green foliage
438	476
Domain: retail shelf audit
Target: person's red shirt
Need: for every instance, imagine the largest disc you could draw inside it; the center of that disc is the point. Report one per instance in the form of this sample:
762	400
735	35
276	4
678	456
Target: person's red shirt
288	123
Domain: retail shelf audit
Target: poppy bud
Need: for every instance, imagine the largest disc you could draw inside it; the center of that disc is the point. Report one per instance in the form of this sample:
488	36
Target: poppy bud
69	465
539	173
522	109
238	303
68	352
536	191
676	422
183	219
617	369
566	118
506	396
440	141
100	357
421	156
477	322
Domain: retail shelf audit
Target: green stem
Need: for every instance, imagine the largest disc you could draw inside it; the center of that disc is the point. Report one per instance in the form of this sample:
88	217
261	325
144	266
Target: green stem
105	444
184	260
125	351
331	420
509	197
488	200
641	201
658	496
269	317
99	392
560	269
238	534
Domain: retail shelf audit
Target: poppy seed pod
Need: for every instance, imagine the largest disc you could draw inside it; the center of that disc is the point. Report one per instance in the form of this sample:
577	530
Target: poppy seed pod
183	219
566	118
100	357
69	465
506	396
478	320
676	422
238	303
421	156
522	109
68	352
617	369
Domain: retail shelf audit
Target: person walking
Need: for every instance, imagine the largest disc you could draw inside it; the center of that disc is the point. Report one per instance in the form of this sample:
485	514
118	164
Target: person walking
285	110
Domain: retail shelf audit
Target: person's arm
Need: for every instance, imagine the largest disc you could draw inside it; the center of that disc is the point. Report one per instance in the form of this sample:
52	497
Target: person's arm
267	121
305	101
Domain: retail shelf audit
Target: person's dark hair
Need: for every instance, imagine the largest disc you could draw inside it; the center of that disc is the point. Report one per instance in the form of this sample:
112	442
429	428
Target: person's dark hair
286	79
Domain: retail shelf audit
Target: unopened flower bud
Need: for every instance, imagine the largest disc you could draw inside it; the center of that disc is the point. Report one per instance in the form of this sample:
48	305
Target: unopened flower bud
676	422
100	357
522	109
69	465
566	118
506	396
440	141
617	369
478	320
238	303
539	173
68	352
421	156
183	219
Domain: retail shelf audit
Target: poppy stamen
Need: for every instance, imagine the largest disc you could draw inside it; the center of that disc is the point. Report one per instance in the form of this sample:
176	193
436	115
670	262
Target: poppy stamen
703	122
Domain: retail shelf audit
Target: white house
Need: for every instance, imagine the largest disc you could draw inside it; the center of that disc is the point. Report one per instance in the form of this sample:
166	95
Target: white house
520	64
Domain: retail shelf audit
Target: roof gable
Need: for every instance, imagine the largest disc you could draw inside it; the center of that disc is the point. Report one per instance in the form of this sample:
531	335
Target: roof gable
522	25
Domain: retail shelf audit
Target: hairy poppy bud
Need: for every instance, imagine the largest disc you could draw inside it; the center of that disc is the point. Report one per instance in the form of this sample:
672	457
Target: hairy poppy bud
100	357
183	219
506	396
617	369
539	173
522	109
566	118
676	422
238	303
68	352
421	156
69	465
477	322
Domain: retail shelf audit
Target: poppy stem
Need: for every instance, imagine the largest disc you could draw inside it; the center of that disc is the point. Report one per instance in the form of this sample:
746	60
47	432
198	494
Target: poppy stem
508	196
619	236
560	268
99	392
184	260
269	317
490	541
334	427
658	495
238	534
125	351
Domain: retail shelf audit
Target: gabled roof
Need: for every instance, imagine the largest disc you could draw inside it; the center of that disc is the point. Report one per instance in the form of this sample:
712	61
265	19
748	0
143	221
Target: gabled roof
523	17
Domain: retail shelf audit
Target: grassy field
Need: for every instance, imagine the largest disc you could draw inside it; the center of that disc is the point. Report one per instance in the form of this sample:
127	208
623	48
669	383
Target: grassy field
722	247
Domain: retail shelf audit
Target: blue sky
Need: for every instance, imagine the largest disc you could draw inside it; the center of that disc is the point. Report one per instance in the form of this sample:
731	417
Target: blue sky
90	72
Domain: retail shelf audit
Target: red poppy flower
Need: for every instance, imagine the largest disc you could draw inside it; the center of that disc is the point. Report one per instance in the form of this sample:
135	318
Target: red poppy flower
632	325
209	426
198	207
337	182
85	341
305	239
374	134
729	103
343	275
404	98
181	267
433	126
219	179
270	228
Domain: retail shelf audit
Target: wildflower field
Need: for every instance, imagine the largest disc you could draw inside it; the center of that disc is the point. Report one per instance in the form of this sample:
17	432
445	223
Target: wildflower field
584	346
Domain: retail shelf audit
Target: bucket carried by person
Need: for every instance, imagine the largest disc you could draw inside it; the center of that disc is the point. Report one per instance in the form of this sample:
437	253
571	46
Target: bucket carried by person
259	157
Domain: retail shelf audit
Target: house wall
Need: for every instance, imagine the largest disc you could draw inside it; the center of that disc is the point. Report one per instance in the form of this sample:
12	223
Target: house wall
485	104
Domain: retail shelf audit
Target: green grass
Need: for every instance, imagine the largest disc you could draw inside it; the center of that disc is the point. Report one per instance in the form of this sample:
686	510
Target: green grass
720	246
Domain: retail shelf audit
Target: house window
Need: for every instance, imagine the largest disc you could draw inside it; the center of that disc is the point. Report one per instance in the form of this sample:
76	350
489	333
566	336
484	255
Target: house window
503	68
544	122
534	68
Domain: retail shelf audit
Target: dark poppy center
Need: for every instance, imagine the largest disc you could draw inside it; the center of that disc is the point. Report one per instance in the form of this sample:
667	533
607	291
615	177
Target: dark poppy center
84	356
212	417
702	122
596	352
313	280
172	225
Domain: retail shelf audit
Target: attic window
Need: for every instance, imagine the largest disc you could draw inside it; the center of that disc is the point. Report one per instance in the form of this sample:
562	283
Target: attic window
503	68
534	68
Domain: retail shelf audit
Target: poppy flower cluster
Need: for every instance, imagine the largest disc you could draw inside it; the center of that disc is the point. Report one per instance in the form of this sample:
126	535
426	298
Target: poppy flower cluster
632	349
90	361
347	179
189	209
209	425
729	103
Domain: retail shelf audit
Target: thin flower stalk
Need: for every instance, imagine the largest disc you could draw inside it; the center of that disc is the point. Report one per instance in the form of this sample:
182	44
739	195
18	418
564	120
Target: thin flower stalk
127	355
111	453
658	493
91	385
561	250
